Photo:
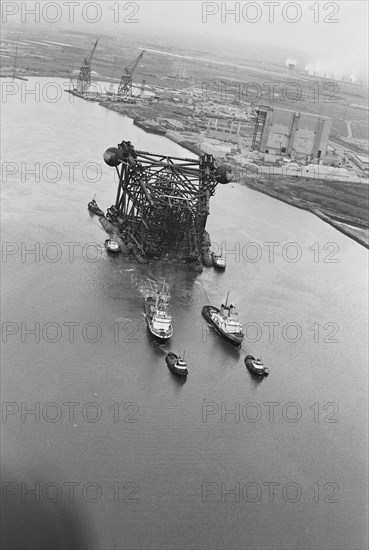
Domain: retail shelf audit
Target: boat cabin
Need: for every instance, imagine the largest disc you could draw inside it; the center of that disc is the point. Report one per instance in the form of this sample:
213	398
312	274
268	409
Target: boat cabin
228	319
161	321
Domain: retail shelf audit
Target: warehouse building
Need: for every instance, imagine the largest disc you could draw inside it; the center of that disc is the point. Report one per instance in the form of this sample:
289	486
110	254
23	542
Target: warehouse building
361	161
226	130
217	150
290	133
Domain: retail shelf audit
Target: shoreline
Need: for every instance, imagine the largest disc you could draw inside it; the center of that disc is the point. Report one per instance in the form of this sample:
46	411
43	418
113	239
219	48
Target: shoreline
262	185
342	226
347	223
129	114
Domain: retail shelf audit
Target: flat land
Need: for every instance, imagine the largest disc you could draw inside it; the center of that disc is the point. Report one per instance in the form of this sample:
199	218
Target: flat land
343	205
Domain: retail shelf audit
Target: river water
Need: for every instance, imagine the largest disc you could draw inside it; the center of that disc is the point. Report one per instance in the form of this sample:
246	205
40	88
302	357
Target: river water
121	454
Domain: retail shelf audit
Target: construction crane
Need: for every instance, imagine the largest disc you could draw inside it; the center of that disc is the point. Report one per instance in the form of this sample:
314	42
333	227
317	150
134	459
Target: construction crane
125	84
84	77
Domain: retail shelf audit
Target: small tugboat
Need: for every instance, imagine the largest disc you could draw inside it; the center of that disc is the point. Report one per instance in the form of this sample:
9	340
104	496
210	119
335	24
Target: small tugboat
176	364
158	319
112	246
225	322
255	366
218	261
93	207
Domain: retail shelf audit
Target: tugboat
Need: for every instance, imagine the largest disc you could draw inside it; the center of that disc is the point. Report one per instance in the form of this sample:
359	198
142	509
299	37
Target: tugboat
93	207
218	261
158	319
112	246
255	366
176	364
225	322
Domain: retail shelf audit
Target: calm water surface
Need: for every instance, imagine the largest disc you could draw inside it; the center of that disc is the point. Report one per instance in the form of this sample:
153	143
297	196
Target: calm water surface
173	449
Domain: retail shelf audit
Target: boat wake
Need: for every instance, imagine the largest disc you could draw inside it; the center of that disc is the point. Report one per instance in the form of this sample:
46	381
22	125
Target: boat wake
100	281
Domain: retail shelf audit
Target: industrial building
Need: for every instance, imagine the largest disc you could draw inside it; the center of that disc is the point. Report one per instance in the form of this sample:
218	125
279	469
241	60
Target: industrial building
290	133
361	161
226	129
217	150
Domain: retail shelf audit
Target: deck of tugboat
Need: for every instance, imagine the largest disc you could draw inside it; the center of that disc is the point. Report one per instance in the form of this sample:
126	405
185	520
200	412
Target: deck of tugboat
219	261
176	364
161	321
157	313
225	319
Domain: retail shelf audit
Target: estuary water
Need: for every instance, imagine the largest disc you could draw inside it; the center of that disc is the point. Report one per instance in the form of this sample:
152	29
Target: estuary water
117	452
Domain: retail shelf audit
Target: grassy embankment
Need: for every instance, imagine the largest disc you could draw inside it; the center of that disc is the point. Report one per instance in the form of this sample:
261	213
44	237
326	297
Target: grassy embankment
344	205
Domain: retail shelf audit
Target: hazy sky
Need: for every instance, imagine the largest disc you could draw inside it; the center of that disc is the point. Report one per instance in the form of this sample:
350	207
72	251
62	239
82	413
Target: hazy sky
332	35
340	46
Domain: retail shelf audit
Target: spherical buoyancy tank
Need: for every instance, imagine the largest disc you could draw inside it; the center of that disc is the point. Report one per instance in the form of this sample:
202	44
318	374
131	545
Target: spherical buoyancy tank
223	173
113	156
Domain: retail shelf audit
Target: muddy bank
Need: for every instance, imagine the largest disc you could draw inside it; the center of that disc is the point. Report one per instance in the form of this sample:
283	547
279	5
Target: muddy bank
342	205
151	112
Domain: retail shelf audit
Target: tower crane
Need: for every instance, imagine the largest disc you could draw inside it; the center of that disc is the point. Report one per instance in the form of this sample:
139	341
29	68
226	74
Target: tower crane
125	84
84	77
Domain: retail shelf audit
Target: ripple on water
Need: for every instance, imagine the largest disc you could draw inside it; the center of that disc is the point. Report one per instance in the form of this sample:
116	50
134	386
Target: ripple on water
100	281
171	449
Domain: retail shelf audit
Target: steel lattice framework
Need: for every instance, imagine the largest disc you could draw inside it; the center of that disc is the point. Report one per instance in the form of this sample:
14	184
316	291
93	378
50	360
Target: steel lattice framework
84	77
125	84
162	202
